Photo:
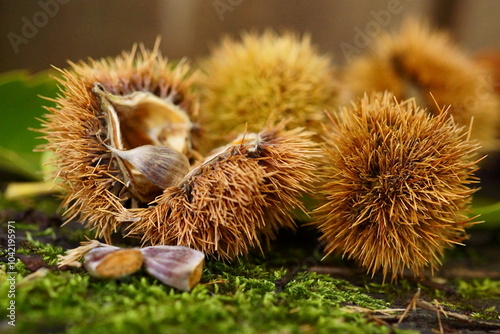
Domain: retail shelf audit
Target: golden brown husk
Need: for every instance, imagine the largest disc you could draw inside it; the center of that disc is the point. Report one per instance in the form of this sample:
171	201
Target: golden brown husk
261	78
398	185
232	202
421	63
75	130
224	206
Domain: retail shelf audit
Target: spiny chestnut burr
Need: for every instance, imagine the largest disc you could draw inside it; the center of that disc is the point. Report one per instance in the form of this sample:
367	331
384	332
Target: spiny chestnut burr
398	185
426	65
108	116
240	195
261	78
124	133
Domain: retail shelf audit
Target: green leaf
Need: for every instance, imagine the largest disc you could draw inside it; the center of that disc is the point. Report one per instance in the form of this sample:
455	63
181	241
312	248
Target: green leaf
489	212
20	106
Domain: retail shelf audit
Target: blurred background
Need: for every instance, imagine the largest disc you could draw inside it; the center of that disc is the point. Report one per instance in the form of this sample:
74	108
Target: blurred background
37	34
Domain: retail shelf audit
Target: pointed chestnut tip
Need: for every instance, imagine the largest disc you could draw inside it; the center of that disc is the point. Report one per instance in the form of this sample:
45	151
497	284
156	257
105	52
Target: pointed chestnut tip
161	165
112	262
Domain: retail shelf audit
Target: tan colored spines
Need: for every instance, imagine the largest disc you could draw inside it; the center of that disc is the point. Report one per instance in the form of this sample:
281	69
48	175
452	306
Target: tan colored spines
76	127
425	64
398	185
263	78
236	200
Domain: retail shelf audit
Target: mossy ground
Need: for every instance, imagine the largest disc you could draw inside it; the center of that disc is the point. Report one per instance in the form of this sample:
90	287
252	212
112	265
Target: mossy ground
274	294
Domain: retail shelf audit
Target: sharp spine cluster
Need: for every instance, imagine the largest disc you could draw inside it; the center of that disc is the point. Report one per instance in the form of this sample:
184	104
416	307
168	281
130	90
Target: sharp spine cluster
136	154
398	185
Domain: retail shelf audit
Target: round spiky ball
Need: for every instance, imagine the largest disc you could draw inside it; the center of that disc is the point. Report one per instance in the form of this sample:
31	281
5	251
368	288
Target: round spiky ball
126	156
236	198
398	184
424	64
264	78
76	128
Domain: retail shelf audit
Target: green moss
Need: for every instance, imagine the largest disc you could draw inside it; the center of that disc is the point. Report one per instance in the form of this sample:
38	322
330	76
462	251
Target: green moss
45	204
479	288
48	252
391	291
239	298
489	314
